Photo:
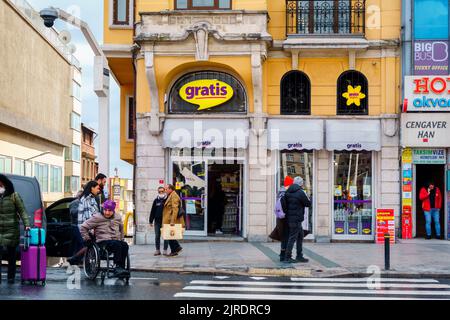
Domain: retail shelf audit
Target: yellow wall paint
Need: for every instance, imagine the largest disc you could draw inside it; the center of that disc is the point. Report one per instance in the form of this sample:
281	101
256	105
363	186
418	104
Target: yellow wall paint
126	146
142	89
114	36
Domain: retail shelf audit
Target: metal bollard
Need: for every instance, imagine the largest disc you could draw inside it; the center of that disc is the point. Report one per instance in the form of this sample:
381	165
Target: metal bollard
387	255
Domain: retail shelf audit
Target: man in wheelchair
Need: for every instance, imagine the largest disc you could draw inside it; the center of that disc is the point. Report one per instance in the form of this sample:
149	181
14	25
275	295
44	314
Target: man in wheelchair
108	234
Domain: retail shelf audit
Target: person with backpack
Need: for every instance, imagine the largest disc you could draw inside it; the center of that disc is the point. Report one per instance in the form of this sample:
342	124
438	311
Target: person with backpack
281	231
296	201
156	215
172	208
11	209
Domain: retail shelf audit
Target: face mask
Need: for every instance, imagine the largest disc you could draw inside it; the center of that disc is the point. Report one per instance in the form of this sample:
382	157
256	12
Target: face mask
2	190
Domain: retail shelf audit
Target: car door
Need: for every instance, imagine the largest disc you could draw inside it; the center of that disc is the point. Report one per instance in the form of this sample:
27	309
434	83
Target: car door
59	229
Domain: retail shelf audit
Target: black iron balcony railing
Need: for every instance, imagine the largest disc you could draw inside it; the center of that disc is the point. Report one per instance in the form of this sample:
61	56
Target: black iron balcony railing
325	17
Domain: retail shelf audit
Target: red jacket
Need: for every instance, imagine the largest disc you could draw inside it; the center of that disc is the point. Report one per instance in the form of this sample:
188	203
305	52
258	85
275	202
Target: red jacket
424	197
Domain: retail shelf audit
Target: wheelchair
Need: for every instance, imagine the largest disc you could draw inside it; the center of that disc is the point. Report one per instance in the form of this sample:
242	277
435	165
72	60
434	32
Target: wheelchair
97	260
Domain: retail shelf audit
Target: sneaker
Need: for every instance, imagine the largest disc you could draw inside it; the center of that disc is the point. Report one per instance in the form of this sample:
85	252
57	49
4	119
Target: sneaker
301	260
290	260
438	237
219	232
157	253
427	237
173	254
119	272
165	253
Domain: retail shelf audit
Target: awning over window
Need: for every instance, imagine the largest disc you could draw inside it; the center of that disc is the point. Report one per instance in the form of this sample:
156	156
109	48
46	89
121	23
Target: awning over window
291	134
353	135
208	133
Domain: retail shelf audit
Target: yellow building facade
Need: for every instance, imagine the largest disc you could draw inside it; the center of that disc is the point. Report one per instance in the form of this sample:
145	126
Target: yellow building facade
312	89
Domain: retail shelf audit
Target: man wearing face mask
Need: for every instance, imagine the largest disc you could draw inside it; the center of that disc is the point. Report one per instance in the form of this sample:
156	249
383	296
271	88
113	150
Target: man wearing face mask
156	215
11	208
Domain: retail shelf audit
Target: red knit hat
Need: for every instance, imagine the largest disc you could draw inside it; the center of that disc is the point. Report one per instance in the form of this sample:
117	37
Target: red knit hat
288	181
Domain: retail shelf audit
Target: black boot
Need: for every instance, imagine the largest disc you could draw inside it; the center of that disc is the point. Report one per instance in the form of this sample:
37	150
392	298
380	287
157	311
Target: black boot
282	255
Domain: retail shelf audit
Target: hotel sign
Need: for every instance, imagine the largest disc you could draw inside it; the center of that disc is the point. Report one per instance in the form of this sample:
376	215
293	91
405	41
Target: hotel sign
427	94
425	130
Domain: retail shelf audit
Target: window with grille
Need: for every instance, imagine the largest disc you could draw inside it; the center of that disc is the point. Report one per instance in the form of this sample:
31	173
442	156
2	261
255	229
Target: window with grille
296	94
202	4
352	94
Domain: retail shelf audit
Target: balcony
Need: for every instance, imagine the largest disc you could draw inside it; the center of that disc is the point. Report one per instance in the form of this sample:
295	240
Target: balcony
328	17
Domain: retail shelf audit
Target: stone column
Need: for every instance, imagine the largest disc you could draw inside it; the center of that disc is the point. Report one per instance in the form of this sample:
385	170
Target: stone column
389	184
324	214
150	169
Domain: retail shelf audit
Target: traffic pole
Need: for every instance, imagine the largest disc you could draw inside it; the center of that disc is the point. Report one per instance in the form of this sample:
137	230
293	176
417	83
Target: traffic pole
387	256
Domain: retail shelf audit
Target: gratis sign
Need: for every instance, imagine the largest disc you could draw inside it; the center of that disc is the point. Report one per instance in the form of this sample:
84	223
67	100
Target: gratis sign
427	94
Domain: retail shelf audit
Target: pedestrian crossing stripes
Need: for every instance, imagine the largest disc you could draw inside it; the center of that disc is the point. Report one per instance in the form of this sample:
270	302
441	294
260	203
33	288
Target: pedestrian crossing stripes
318	289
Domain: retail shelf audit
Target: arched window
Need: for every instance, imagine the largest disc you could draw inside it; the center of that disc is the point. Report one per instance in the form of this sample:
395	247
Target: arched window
352	94
295	93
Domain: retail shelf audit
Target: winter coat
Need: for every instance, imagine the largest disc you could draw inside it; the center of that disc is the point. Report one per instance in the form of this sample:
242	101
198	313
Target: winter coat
104	228
425	198
157	210
87	208
171	208
296	200
280	230
11	208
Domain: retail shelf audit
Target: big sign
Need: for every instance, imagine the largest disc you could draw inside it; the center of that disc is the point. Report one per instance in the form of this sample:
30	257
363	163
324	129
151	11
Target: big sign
427	93
206	93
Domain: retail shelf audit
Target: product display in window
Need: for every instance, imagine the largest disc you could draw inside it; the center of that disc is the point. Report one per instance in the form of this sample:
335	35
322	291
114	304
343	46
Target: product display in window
353	212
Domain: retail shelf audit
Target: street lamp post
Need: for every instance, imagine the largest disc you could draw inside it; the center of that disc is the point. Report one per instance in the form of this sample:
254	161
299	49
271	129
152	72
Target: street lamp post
101	79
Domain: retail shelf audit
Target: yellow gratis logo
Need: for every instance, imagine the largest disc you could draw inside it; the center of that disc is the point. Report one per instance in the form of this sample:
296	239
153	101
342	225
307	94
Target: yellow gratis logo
354	95
206	93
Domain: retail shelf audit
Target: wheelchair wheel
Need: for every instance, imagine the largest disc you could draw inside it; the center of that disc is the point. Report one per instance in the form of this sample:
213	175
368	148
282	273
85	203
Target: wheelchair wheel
128	264
92	262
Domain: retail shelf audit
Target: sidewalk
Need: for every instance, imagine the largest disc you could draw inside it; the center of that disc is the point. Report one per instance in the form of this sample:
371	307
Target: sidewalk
416	258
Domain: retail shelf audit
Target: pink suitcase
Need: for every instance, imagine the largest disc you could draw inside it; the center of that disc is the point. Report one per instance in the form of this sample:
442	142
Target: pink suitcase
33	264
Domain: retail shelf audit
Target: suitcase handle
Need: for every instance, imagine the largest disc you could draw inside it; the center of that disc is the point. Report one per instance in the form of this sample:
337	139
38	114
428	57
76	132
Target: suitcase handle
26	240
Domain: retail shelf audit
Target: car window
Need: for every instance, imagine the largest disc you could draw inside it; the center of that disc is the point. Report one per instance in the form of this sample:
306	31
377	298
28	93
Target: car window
59	214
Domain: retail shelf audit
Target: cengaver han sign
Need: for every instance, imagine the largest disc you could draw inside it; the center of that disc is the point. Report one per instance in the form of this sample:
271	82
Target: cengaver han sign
427	94
425	130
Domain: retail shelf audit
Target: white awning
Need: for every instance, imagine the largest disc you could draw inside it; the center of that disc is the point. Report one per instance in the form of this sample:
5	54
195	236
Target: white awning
291	134
208	133
353	135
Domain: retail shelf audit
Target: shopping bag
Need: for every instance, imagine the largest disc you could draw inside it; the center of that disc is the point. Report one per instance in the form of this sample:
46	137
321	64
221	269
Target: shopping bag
174	232
305	223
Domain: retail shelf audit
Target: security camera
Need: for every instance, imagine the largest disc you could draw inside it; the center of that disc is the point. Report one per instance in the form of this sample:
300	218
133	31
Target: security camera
49	15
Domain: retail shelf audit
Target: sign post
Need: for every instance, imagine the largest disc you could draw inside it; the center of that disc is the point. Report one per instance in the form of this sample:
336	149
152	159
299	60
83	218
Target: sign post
385	225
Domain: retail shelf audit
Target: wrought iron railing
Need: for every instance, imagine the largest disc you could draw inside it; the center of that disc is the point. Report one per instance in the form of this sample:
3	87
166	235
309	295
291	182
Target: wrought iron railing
325	17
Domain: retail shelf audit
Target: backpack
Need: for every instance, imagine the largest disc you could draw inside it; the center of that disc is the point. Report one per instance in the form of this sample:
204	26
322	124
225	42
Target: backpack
281	207
73	209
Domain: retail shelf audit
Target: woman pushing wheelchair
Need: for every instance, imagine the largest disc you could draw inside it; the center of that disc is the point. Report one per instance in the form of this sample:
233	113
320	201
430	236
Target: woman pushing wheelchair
109	235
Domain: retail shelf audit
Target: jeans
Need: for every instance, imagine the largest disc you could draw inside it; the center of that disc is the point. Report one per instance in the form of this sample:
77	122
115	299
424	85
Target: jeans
295	235
174	245
118	248
158	226
432	214
11	252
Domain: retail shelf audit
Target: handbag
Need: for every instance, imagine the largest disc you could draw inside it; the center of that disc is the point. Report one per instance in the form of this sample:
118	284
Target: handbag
174	232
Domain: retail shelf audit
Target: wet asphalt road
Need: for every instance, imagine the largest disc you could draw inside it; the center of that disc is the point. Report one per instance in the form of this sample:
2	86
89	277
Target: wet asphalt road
170	286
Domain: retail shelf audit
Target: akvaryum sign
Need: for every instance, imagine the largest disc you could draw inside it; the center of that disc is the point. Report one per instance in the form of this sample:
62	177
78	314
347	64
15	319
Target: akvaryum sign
427	93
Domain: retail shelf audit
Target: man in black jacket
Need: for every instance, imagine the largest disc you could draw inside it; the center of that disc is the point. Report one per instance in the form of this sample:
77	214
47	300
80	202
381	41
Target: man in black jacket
157	215
296	201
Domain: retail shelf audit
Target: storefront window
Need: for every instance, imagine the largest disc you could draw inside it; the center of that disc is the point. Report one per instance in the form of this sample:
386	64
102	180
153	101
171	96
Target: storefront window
298	163
353	211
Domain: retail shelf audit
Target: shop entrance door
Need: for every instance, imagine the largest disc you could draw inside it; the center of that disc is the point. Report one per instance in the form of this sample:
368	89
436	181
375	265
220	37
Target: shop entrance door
424	174
225	187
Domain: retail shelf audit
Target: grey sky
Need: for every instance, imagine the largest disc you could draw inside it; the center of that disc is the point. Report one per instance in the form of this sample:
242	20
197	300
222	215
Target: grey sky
92	12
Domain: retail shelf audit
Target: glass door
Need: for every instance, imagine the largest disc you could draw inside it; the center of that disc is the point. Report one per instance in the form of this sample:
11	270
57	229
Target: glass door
190	181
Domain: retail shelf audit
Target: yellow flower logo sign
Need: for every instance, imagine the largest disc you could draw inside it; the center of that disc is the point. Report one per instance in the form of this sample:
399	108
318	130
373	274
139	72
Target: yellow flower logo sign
354	95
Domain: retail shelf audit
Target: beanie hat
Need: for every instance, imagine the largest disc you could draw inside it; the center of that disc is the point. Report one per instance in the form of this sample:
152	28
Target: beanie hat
109	205
288	181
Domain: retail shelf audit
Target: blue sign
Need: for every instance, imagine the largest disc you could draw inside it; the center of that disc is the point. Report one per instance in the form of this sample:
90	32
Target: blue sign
431	19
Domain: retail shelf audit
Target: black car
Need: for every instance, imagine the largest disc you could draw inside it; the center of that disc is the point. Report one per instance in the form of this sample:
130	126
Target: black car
56	219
